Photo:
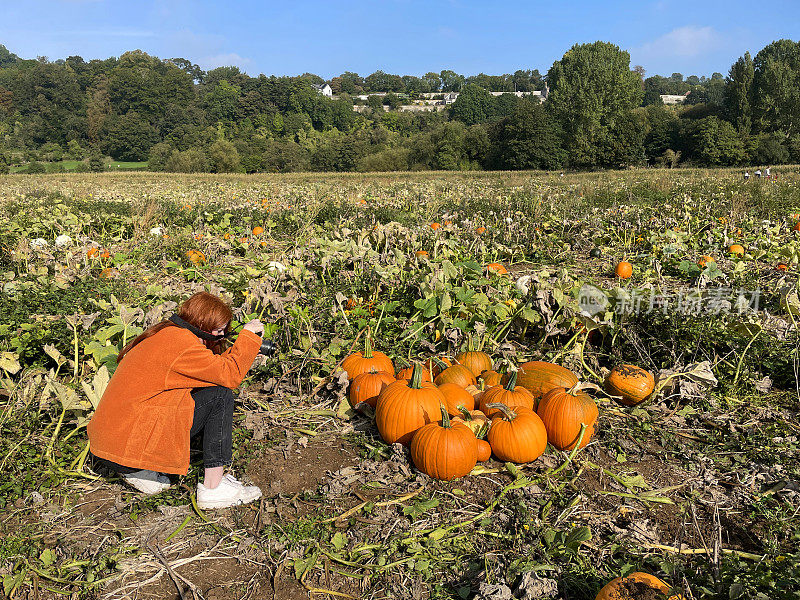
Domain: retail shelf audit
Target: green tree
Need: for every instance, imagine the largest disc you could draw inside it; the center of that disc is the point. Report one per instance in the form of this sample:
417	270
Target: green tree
527	139
192	160
158	157
717	143
129	137
223	157
739	93
473	105
776	84
96	163
592	88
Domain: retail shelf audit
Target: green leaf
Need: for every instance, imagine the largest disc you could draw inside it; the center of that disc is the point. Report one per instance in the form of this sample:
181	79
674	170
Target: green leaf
339	540
578	535
419	507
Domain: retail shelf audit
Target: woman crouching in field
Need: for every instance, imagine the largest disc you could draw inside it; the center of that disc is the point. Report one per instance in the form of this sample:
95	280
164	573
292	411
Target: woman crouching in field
171	385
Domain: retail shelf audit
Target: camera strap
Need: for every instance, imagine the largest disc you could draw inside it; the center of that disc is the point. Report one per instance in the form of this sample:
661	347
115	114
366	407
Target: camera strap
203	335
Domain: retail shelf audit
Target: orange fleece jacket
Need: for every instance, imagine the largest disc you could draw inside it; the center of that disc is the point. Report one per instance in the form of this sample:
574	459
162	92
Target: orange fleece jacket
145	415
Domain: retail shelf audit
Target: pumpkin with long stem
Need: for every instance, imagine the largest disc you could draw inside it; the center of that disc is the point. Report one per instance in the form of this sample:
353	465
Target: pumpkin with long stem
511	395
436	365
368	386
458	374
359	363
456	397
629	384
517	435
406	406
562	412
539	377
444	451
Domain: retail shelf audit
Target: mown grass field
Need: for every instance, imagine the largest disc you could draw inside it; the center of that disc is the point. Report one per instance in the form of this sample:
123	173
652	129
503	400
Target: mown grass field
699	486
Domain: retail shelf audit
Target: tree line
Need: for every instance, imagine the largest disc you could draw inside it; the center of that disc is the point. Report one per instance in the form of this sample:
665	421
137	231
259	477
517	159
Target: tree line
600	113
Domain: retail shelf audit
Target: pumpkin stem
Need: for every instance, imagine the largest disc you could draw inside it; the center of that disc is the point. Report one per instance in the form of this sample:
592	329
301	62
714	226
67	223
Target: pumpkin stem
368	344
416	377
463	410
445	416
509	414
512	381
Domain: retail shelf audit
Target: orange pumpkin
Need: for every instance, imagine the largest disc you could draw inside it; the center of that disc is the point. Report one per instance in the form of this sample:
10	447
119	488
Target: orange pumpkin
409	371
475	361
635	587
435	226
562	413
444	451
105	253
368	386
782	267
511	395
458	374
623	270
406	406
490	378
496	268
421	253
477	421
539	377
92	252
632	383
480	230
517	435
484	451
704	260
258	230
736	250
359	363
796	227
436	365
456	397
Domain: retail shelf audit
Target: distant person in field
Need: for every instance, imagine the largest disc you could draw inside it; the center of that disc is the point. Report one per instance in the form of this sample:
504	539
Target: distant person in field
767	173
746	175
758	173
170	386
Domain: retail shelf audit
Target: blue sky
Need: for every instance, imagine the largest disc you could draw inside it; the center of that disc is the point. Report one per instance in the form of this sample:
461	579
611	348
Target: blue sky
398	36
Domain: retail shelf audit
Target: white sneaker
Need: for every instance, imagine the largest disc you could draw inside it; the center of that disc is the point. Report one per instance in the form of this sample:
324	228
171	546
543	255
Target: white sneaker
148	482
229	492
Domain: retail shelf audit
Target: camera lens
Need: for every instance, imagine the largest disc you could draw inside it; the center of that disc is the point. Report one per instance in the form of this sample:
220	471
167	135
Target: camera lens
268	348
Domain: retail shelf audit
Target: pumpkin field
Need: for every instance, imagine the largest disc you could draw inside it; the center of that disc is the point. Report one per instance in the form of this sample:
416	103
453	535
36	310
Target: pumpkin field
486	385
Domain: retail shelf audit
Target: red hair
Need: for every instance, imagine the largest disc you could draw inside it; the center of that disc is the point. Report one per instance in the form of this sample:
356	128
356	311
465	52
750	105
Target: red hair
203	310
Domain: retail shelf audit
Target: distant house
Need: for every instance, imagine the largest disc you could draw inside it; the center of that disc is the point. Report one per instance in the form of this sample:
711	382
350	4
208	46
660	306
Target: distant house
450	97
323	88
675	98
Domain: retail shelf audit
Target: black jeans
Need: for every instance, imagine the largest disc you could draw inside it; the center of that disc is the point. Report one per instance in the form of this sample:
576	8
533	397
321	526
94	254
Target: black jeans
213	418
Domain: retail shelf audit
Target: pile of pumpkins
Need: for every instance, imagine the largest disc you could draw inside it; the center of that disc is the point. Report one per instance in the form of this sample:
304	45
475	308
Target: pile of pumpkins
454	413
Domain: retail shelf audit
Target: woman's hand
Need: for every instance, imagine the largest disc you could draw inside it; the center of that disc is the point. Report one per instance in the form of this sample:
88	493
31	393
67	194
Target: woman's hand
255	326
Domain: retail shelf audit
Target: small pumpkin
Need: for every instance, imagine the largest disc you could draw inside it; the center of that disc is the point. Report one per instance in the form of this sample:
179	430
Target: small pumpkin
421	253
484	451
456	397
476	420
736	250
475	361
632	383
796	227
782	267
511	395
539	377
705	260
409	371
517	435
496	268
490	378
258	230
458	374
436	226
444	451
623	270
562	412
358	363
636	586
368	386
406	406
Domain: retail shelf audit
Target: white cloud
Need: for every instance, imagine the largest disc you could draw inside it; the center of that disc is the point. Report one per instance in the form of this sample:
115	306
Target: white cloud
224	60
683	42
